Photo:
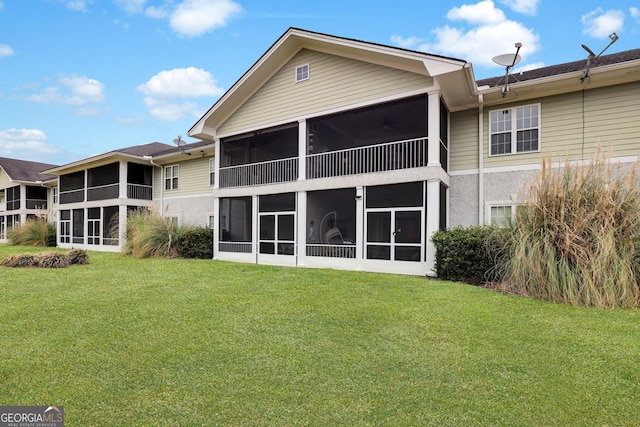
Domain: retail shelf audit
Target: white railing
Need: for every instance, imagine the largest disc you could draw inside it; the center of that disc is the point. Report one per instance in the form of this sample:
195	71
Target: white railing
270	172
240	247
411	153
332	251
140	192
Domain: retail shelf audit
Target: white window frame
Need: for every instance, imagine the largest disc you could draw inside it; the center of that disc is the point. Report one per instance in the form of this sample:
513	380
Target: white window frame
212	172
211	221
303	73
489	206
171	177
513	126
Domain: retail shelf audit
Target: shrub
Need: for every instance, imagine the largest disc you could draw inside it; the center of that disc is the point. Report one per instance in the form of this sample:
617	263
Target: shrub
462	254
577	239
78	257
52	260
148	235
196	242
34	232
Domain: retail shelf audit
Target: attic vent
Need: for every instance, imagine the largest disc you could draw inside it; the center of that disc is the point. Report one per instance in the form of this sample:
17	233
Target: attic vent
302	73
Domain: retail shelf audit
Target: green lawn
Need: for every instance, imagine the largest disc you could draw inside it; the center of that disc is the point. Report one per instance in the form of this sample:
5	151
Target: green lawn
129	342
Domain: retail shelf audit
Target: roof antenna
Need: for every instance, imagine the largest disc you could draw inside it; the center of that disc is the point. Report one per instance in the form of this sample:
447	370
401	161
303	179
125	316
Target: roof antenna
585	73
508	60
180	143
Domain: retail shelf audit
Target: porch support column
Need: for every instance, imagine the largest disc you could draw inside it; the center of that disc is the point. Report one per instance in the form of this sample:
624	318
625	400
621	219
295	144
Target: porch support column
302	227
254	227
433	224
122	226
359	223
216	164
302	150
122	180
217	222
23	202
433	126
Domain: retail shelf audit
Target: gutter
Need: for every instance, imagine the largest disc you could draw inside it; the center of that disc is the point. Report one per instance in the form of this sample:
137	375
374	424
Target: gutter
480	159
150	159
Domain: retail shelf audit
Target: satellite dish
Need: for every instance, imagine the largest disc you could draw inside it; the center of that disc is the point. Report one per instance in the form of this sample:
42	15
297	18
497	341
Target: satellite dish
507	59
585	72
178	141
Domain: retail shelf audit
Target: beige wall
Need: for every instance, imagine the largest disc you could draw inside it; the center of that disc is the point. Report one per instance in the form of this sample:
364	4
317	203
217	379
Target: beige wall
334	82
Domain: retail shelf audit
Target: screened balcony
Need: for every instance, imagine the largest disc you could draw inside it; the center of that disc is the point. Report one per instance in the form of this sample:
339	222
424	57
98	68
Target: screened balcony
103	183
379	138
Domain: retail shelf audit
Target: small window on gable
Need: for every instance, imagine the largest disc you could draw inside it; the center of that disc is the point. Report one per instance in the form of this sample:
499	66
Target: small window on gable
302	73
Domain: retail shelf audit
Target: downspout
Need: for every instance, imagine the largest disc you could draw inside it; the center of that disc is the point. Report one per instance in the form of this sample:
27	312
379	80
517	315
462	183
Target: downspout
150	159
480	159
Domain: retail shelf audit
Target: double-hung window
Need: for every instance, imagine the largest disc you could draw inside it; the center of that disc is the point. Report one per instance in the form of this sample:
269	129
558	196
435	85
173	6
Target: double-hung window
171	177
212	172
515	130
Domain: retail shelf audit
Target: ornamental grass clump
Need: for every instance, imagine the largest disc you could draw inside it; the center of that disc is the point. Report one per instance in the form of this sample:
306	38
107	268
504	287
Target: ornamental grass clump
53	260
34	232
149	235
576	240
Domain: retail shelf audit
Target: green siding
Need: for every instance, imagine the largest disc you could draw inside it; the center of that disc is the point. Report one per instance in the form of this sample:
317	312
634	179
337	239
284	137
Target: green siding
193	178
334	82
576	125
464	141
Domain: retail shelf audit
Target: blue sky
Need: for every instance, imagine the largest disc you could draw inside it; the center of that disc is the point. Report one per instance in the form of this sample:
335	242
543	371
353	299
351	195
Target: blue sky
83	77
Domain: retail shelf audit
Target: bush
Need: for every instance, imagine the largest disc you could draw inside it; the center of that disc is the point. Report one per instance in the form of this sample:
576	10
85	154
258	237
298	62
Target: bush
52	260
464	255
34	232
577	239
196	242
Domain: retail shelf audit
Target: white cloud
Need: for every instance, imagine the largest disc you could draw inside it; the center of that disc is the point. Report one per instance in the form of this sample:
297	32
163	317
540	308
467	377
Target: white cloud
5	50
527	7
24	143
73	90
599	23
166	92
79	5
635	12
406	43
482	13
484	32
131	6
196	17
1	5
155	12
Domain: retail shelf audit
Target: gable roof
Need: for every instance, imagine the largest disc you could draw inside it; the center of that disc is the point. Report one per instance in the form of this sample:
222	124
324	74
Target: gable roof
25	171
296	39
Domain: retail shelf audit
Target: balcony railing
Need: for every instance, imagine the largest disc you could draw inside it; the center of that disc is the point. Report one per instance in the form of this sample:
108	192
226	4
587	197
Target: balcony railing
140	192
103	192
271	172
72	196
411	153
36	203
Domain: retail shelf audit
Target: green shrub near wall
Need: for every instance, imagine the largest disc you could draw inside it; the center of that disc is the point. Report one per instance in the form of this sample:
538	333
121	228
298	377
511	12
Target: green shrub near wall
196	243
463	255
